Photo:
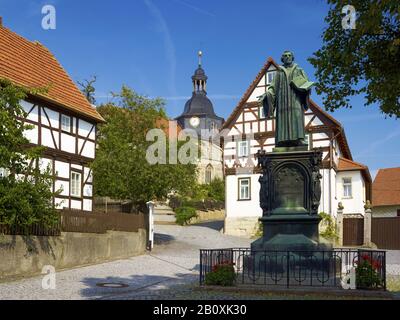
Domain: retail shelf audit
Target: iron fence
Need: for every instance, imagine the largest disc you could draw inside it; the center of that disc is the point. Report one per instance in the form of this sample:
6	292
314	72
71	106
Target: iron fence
299	268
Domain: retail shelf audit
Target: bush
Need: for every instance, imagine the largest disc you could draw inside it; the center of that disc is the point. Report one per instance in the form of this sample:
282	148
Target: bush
330	231
367	273
222	274
184	214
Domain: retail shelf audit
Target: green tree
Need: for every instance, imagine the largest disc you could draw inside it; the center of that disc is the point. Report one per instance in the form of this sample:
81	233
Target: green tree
120	169
364	60
25	192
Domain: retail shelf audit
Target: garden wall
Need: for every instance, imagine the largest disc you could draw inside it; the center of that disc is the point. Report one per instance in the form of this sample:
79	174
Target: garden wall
26	255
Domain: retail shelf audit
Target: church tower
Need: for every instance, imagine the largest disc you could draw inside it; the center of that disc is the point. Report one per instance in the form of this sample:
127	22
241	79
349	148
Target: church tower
198	113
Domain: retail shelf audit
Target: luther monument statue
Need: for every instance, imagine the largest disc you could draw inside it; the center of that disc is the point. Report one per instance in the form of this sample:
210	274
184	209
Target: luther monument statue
286	97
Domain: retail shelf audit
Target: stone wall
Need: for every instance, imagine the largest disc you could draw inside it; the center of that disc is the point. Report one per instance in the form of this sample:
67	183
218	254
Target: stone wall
241	227
26	255
208	216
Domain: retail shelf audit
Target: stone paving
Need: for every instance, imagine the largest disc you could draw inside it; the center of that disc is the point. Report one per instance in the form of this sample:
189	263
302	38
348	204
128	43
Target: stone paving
174	261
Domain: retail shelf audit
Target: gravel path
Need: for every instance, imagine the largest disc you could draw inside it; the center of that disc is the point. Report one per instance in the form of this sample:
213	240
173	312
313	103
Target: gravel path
174	261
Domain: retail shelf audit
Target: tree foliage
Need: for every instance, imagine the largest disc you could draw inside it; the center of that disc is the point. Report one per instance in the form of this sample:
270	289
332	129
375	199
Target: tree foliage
364	60
88	89
120	169
25	192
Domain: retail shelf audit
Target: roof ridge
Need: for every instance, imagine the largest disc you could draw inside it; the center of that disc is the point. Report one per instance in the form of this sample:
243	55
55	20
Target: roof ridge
251	87
31	64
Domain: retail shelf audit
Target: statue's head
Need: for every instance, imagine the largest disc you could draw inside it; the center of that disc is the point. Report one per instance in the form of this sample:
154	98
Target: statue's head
287	58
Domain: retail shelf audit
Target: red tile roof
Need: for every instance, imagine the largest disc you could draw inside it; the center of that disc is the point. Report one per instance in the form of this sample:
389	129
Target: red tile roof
386	187
32	65
347	165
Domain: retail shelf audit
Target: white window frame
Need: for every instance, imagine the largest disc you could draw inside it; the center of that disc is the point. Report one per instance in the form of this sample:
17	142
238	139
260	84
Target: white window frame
346	185
76	184
242	187
241	148
64	126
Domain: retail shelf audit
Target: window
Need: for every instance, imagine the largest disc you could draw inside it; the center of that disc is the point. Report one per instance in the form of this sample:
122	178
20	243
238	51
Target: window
347	192
398	212
76	184
270	77
208	176
244	189
65	123
243	148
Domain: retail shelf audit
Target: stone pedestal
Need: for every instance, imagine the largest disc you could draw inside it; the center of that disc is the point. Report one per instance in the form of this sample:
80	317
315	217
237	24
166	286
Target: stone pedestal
367	226
339	225
289	196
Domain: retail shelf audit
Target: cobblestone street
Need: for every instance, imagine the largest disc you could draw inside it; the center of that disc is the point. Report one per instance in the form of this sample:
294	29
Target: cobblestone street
174	261
170	271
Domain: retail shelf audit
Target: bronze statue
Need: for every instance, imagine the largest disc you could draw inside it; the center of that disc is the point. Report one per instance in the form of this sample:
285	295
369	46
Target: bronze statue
287	96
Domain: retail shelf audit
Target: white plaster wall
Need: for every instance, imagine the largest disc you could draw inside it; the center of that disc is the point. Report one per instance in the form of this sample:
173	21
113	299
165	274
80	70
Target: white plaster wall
44	164
47	139
84	129
88	150
62	169
76	204
32	135
61	203
62	185
87	190
87	175
54	117
67	143
87	205
355	204
76	166
248	208
27	107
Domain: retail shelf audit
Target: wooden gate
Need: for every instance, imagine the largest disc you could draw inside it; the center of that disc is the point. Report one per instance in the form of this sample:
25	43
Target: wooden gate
385	233
353	231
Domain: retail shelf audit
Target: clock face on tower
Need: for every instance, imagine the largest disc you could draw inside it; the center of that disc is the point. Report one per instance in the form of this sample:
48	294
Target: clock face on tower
194	122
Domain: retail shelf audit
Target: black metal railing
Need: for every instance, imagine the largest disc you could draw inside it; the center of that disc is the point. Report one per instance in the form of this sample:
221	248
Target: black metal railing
331	268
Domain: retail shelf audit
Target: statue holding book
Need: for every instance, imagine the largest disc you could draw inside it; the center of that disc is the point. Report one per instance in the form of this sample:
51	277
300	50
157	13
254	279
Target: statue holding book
286	97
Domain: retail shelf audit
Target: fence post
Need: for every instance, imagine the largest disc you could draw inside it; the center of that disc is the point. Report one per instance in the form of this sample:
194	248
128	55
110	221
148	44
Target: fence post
339	224
367	224
150	206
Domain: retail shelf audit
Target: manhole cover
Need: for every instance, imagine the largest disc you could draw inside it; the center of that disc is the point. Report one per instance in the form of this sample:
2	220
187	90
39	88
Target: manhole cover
112	285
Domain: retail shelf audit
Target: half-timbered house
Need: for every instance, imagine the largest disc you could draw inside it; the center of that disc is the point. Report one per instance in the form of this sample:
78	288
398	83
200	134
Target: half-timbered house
63	121
249	130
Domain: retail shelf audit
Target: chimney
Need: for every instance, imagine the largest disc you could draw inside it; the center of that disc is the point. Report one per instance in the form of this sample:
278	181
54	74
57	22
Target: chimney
1	21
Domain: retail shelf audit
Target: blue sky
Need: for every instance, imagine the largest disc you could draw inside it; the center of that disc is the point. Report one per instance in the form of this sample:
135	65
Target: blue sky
151	46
